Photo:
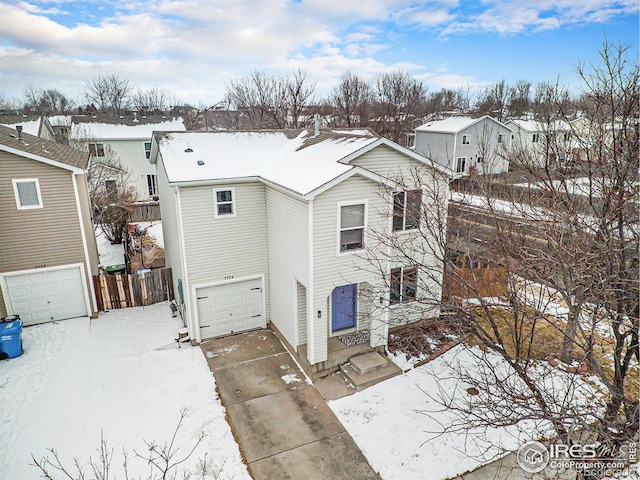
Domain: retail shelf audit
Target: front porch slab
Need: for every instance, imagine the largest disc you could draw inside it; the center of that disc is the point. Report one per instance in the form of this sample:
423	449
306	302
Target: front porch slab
337	354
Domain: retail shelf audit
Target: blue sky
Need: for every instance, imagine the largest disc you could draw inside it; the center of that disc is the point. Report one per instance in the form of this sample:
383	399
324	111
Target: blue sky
192	48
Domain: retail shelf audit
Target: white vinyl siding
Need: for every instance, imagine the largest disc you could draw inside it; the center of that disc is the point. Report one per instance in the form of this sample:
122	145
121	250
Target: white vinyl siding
331	270
170	232
288	232
217	250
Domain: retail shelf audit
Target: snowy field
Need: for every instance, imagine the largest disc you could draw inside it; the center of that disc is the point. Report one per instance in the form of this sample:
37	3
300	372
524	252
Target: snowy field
121	374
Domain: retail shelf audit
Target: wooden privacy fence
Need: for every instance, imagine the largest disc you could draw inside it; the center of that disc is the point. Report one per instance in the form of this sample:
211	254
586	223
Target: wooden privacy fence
133	290
489	282
144	212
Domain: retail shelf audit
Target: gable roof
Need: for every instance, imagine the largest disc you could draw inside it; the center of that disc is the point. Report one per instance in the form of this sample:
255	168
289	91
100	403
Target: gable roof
295	160
42	150
102	129
454	124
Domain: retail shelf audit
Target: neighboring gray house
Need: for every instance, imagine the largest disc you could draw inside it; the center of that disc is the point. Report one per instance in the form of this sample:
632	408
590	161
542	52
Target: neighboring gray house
271	226
47	248
464	144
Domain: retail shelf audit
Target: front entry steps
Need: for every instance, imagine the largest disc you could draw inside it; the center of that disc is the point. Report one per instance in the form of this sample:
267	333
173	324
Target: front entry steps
367	369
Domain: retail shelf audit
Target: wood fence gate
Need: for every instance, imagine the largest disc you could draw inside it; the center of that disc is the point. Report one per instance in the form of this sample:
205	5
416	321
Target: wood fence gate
133	290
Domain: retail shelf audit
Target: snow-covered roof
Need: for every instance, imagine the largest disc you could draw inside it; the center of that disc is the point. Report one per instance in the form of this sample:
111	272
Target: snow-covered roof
298	161
452	124
117	131
32	127
536	126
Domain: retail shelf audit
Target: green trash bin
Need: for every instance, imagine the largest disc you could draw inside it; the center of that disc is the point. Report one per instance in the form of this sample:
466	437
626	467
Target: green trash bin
116	269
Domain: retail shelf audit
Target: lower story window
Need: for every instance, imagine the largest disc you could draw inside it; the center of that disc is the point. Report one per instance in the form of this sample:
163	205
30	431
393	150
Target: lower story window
461	164
404	284
152	184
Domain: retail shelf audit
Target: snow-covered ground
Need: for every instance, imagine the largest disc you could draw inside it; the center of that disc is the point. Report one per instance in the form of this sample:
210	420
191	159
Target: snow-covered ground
121	374
109	254
398	423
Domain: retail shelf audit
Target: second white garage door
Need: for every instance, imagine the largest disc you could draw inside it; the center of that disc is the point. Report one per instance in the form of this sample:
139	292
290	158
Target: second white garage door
45	295
230	308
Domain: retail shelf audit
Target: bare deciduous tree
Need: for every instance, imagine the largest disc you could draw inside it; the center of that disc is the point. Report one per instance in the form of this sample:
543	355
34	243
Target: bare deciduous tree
270	101
50	101
109	92
568	237
399	99
351	99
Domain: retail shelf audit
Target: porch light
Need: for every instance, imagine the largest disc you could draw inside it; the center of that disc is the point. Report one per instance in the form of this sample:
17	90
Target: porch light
319	313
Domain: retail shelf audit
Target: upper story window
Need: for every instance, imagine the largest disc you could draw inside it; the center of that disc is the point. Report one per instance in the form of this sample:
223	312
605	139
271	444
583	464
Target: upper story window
500	138
96	149
147	149
567	136
224	202
404	284
152	184
536	138
27	193
466	139
351	226
406	209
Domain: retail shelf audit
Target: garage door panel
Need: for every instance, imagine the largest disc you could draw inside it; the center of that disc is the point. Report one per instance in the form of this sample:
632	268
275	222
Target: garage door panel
46	296
236	307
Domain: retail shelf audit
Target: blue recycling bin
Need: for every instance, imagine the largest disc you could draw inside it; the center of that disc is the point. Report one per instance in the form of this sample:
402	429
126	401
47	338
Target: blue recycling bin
11	338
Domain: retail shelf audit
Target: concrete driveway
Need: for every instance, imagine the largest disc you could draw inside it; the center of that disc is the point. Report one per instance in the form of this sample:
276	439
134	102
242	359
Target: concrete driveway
284	427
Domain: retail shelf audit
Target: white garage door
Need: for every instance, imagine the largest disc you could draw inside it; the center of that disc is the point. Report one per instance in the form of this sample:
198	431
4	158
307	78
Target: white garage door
230	308
46	295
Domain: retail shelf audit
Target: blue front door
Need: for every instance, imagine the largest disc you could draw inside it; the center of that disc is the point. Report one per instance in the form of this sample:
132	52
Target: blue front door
344	307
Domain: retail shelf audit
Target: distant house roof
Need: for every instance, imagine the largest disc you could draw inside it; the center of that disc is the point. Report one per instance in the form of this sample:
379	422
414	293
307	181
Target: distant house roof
29	125
39	149
296	160
453	124
131	128
536	126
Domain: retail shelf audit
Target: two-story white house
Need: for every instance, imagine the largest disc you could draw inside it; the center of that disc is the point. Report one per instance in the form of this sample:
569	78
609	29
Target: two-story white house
279	227
464	144
552	142
130	139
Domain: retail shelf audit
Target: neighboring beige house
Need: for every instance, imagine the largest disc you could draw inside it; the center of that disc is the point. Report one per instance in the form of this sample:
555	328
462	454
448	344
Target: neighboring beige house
466	144
130	139
271	227
47	248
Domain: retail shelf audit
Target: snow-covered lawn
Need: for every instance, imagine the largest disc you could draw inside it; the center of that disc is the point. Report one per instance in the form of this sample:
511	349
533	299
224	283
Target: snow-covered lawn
80	377
109	254
397	423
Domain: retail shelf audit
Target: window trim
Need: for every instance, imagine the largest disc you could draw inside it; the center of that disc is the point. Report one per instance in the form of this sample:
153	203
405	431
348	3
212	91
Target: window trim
403	284
16	193
407	194
339	229
95	148
232	202
152	184
466	139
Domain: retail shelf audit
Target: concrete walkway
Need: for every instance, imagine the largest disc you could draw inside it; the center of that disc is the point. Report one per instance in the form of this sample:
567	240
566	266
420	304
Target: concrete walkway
284	427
